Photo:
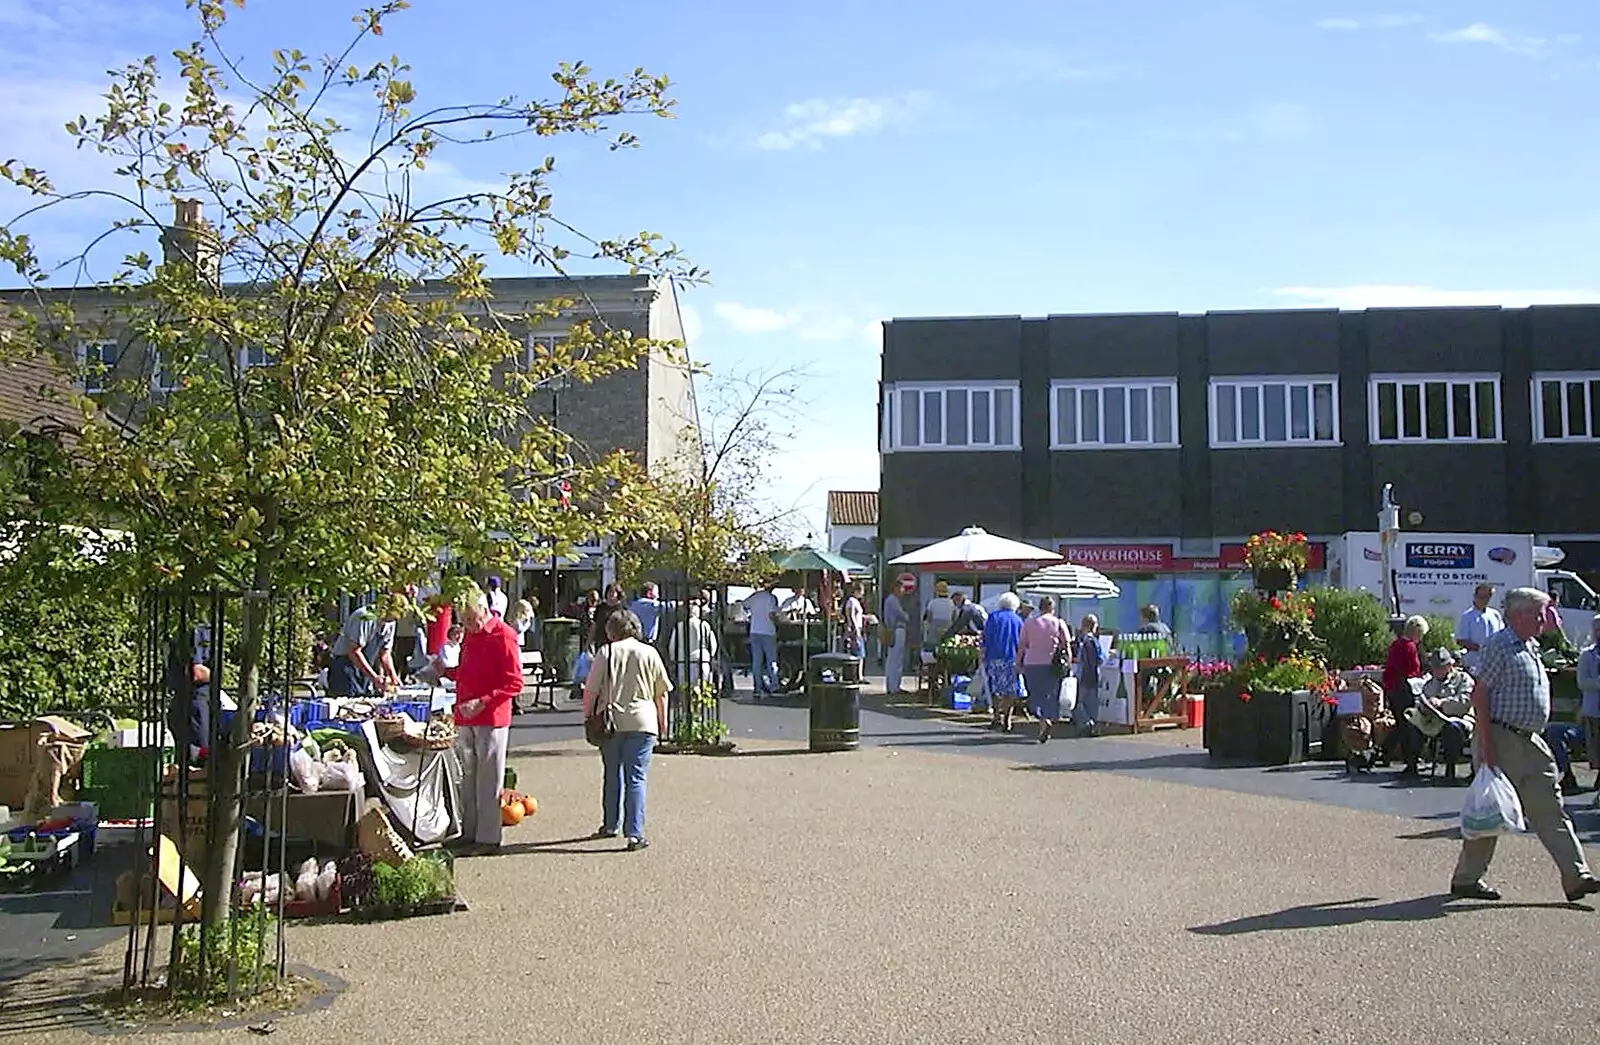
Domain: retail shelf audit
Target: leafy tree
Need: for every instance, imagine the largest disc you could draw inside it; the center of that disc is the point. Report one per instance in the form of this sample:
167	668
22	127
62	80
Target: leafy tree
346	395
705	519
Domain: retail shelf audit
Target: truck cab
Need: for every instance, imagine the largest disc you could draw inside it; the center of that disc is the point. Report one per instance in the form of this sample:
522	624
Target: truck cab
1572	594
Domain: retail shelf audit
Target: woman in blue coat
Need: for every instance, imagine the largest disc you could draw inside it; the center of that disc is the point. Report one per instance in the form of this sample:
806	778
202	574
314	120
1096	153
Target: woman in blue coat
1000	634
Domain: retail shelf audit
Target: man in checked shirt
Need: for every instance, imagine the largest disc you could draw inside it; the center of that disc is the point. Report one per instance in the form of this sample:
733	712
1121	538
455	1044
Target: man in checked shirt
1512	701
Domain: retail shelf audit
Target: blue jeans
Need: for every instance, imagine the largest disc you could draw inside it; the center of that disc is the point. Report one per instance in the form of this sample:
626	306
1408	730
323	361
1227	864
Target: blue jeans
856	647
624	759
764	663
1088	709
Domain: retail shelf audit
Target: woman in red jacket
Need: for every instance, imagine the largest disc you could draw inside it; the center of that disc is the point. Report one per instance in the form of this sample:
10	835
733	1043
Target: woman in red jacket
1403	664
488	680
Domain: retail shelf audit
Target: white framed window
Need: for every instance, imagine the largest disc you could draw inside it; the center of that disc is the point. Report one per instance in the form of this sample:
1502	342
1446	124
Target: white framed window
1094	415
1435	408
97	360
163	378
1286	410
967	416
1566	407
254	355
536	346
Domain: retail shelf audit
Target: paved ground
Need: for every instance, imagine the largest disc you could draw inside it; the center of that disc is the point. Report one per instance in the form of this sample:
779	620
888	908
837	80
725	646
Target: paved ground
913	893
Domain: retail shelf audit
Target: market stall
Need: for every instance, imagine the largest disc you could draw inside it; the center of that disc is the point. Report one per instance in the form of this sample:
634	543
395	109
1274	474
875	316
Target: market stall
804	634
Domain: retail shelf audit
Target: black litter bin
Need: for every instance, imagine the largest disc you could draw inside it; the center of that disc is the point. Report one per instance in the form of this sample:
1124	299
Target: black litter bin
833	686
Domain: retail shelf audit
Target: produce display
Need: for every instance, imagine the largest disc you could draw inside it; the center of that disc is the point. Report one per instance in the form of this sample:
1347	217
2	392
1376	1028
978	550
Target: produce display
420	880
515	807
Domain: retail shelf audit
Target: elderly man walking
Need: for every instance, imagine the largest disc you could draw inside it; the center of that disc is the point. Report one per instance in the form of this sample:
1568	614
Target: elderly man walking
488	679
1511	704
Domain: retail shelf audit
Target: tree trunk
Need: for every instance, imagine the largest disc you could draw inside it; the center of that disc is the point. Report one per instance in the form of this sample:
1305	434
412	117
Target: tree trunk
217	877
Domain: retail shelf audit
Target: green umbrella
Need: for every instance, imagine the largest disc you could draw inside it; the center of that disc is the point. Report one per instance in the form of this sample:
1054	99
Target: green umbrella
815	560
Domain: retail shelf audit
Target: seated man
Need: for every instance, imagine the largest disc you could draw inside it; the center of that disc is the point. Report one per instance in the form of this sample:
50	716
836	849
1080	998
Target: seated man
1444	710
1562	737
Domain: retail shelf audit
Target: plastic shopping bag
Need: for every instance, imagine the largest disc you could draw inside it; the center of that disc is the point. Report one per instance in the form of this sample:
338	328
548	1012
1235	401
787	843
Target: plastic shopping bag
978	689
1069	697
1492	807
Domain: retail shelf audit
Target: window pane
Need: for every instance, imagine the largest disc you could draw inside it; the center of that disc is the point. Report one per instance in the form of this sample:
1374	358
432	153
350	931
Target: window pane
1577	409
910	418
1114	404
1089	414
1461	411
1436	415
1388	411
1411	411
982	419
1161	415
1227	414
1274	417
1004	422
932	418
1488	415
1138	415
1249	413
1594	408
1550	404
955	417
1322	412
1066	416
1300	412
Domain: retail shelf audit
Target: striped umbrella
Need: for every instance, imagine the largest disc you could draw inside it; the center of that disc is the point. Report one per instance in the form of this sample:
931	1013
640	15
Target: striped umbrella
1069	581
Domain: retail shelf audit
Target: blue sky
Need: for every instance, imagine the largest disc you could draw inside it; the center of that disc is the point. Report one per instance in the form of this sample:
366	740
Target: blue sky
834	164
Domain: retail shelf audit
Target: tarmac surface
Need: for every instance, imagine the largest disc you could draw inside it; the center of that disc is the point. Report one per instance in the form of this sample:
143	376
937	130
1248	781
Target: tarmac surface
941	885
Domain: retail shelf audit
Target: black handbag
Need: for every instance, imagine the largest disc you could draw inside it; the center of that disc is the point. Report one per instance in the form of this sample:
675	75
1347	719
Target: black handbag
1061	662
600	725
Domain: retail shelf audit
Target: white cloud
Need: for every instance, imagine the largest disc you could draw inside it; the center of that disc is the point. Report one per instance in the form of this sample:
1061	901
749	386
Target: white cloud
748	320
1481	33
1377	22
1382	295
807	324
807	124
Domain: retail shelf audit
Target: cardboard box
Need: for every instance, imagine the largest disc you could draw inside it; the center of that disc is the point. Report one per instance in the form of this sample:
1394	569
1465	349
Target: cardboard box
19	753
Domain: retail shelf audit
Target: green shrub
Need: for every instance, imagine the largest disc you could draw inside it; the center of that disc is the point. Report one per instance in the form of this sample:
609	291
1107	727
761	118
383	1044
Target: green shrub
1441	634
1352	626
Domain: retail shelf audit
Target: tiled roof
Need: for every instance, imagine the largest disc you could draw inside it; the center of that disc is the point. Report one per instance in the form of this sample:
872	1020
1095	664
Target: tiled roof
853	507
33	393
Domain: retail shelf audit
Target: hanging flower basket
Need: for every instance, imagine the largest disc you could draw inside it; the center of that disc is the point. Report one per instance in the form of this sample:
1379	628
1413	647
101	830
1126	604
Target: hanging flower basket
1274	579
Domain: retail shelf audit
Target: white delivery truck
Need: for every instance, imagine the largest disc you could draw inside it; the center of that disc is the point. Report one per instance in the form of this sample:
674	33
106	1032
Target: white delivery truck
1435	573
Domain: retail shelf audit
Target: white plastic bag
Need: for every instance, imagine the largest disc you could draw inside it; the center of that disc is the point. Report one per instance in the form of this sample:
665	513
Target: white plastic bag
1069	697
1492	807
978	688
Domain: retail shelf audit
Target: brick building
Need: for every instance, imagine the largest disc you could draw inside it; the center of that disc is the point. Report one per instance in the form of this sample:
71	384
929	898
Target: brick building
1151	445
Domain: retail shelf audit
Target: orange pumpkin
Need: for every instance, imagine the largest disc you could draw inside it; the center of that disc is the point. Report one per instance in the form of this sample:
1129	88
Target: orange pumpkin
529	806
510	815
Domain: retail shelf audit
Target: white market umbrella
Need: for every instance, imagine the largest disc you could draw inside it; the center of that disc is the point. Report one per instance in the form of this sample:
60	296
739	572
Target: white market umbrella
975	546
1069	581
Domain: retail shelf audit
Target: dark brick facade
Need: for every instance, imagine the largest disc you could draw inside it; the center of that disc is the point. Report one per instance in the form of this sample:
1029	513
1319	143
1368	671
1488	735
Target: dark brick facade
1195	493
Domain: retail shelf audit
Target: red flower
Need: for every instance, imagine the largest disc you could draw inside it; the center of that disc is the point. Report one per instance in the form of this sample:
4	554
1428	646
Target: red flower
1245	696
1275	603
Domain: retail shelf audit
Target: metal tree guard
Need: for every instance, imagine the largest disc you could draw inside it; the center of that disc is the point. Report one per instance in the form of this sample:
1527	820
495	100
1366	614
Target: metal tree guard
181	629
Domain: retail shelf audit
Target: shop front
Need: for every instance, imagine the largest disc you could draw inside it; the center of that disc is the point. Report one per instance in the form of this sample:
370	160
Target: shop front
1191	592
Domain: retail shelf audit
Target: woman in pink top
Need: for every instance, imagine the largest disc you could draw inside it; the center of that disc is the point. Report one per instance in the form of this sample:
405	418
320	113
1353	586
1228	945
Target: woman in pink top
1043	633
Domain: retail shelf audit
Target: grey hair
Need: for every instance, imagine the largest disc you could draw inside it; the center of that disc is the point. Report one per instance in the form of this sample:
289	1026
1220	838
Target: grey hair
475	602
623	624
1519	599
1416	624
1009	601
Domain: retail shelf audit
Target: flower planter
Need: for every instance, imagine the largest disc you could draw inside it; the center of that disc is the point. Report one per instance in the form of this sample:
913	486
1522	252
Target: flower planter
1274	579
1270	728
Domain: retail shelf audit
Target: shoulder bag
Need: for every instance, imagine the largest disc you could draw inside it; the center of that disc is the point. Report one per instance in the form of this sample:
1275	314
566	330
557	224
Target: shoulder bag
599	725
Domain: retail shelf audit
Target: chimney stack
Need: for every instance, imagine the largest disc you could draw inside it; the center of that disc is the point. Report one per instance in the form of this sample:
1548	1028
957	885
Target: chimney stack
189	241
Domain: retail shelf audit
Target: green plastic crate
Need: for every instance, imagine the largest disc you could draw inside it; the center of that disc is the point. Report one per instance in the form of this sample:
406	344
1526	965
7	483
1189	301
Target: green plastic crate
124	769
118	805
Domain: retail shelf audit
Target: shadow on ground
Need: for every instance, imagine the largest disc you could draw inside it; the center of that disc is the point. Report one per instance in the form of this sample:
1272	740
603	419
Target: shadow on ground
1363	909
